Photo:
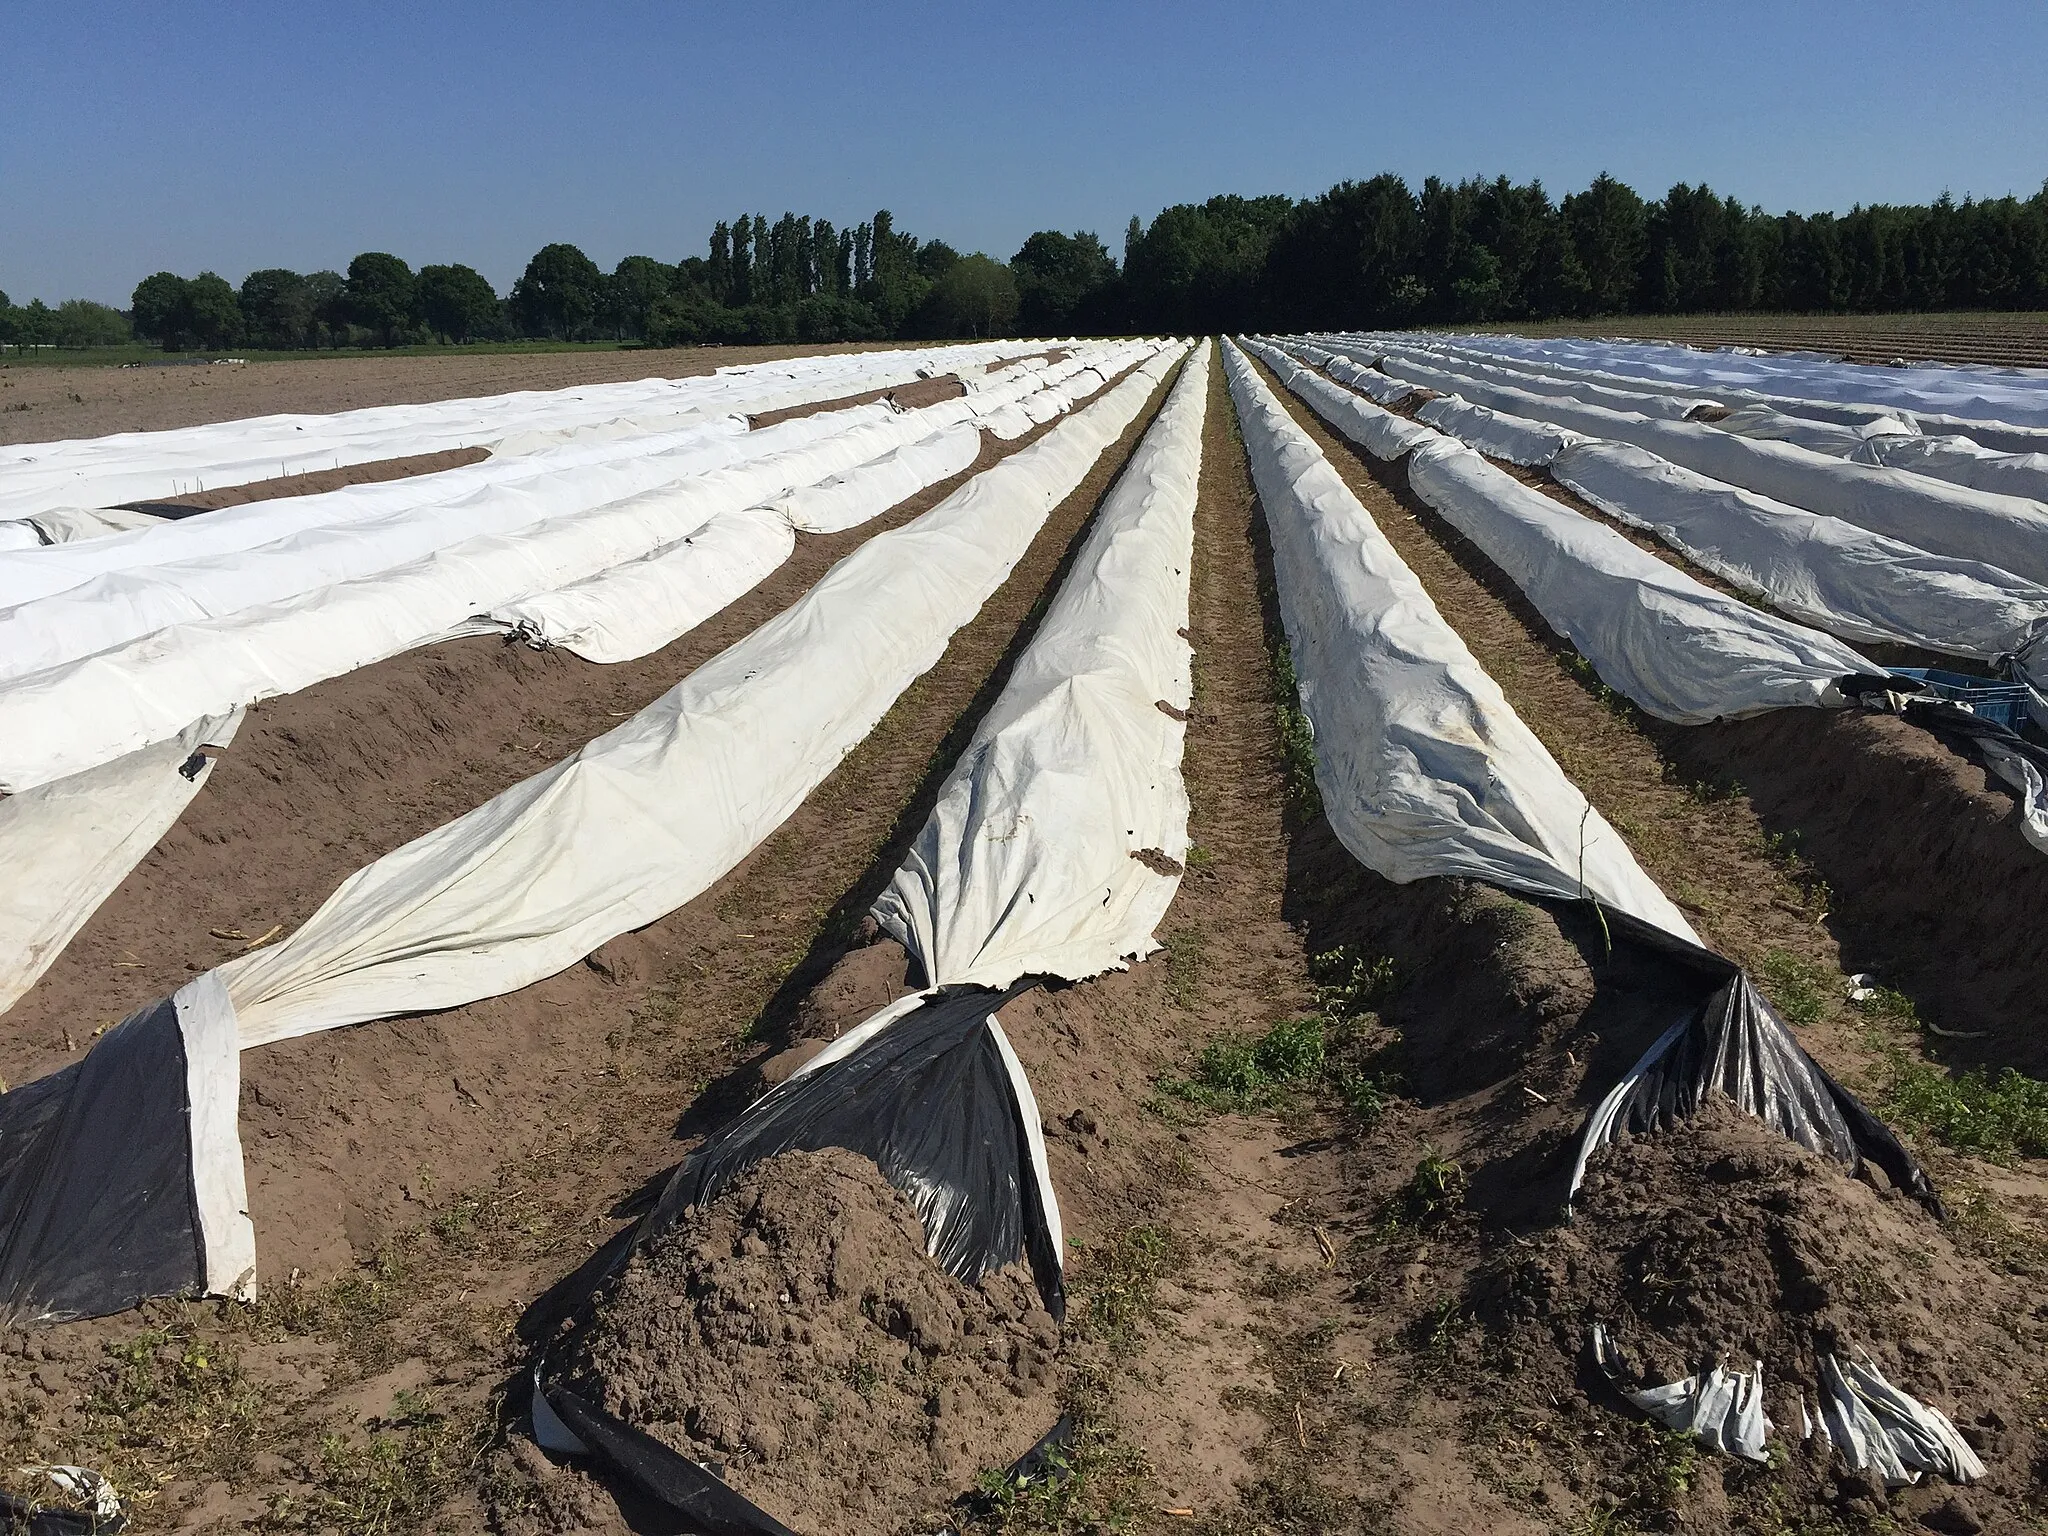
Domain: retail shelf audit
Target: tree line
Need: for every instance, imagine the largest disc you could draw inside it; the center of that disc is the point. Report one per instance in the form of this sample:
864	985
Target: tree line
1363	254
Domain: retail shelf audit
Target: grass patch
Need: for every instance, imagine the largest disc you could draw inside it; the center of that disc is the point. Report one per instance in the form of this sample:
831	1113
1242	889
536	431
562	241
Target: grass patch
1334	1050
1999	1118
408	1467
1187	951
165	1405
1799	989
1119	1281
1089	1487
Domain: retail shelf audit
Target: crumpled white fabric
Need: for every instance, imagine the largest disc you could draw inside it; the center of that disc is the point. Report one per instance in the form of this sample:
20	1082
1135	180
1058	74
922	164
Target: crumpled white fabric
1030	862
1959	460
1496	434
1877	1426
1424	767
1380	433
1723	1409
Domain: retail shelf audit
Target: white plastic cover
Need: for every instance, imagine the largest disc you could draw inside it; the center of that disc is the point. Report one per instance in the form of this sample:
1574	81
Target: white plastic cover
1723	1410
1821	570
66	845
1961	461
1380	433
145	466
1677	647
1055	845
213	1091
1496	434
1642	402
2006	531
1832	438
636	608
646	816
1424	767
1875	1425
70	717
867	490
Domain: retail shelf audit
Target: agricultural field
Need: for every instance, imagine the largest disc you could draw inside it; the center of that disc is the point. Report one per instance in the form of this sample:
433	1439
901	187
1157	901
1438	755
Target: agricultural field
1271	934
1991	340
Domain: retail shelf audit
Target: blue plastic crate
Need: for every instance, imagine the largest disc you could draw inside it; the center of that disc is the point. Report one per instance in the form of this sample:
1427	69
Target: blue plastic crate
2005	703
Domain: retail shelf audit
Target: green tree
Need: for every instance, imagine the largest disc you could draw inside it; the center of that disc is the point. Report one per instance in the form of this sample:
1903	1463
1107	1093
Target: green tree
82	323
154	307
277	308
378	295
210	317
1605	226
561	294
35	324
1056	274
974	296
457	302
638	284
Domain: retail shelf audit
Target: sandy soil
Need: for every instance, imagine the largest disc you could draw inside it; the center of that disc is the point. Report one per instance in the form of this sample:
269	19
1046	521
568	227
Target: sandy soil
42	404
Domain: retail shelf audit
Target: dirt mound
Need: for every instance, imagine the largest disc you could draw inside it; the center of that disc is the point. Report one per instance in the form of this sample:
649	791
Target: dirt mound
1723	1241
795	1331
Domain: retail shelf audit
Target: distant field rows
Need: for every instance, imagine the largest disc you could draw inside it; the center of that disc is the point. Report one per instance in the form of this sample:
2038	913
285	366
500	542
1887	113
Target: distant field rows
2001	340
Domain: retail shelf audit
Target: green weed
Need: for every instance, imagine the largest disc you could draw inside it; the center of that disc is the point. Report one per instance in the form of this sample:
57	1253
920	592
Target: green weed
1297	736
1119	1280
1433	1194
1800	989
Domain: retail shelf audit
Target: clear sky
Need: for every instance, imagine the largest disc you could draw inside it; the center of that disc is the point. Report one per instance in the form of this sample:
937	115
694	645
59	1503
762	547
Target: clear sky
149	135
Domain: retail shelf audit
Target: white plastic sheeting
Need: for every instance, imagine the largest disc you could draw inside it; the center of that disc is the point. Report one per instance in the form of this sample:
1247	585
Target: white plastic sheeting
67	845
1642	402
636	608
867	490
1370	382
1424	767
1890	1432
645	817
1042	855
1832	438
123	605
2006	531
162	544
1380	433
67	718
1985	395
1496	434
144	466
1959	460
1821	570
1677	647
1722	1409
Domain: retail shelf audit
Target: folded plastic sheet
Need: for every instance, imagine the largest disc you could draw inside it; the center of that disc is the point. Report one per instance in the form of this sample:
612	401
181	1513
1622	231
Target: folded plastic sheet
1678	648
1768	424
645	817
1878	1427
1734	1049
1424	767
1722	1409
1380	433
1962	462
121	1174
1497	435
1055	844
66	845
1821	570
636	608
1370	382
2006	531
850	499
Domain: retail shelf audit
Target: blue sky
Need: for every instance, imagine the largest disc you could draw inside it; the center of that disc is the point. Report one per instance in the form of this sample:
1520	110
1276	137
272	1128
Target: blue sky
141	136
